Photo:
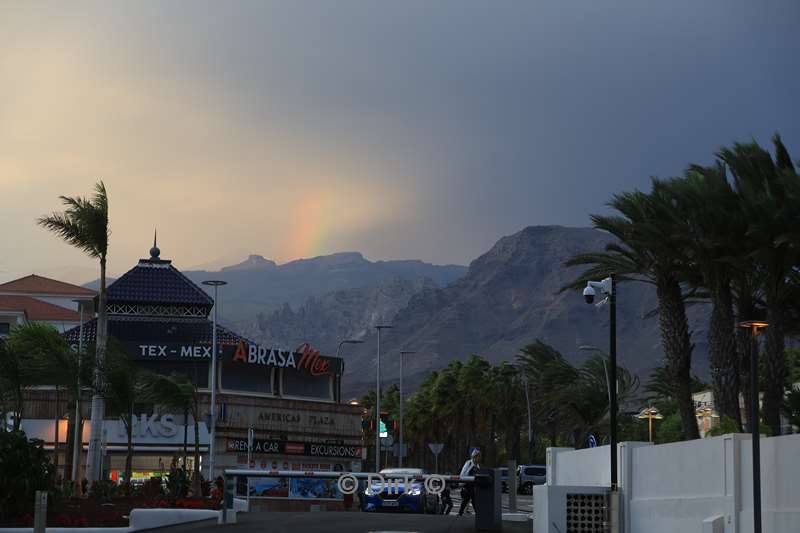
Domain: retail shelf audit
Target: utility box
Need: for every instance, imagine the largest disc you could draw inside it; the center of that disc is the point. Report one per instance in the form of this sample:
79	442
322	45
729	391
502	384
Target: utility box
488	500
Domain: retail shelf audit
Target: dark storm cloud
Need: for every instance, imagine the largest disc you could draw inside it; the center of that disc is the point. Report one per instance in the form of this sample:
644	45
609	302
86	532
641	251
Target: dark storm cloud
489	116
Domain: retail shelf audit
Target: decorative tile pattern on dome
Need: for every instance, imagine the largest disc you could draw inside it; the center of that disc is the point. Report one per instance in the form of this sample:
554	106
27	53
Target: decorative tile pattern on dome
157	282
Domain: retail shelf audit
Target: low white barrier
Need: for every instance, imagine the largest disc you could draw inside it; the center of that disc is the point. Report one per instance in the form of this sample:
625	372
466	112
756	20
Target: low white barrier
140	519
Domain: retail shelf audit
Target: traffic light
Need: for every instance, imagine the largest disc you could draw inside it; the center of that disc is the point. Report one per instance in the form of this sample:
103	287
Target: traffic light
386	423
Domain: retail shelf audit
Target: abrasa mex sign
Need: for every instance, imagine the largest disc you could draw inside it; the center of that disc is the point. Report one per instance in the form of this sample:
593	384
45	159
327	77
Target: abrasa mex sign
303	358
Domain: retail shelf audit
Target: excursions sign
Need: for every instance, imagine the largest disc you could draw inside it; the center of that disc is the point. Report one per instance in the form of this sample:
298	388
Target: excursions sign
295	448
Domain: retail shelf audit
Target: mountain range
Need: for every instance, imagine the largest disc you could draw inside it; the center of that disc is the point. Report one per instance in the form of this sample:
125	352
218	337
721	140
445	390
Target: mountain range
506	298
510	296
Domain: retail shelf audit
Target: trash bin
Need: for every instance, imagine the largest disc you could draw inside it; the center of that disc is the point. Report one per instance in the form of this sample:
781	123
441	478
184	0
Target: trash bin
488	500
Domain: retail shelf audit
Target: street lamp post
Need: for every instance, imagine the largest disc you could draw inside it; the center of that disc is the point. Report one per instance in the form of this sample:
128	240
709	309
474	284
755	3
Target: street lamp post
608	288
338	351
531	447
213	411
379	327
754	326
402	357
650	414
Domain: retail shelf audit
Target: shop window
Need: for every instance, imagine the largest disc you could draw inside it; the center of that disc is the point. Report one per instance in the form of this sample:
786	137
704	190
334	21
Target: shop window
303	384
246	378
196	371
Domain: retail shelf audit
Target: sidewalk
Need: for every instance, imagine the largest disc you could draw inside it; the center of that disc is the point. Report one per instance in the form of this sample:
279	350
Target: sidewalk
335	522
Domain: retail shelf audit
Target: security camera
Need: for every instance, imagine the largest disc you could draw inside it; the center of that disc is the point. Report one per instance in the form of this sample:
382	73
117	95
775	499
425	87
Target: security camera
589	294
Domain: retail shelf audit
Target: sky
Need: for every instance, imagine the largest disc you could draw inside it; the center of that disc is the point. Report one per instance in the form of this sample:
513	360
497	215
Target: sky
411	129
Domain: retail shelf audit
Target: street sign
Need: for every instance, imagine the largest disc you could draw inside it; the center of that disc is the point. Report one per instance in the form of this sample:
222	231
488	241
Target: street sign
400	450
384	432
436	447
387	441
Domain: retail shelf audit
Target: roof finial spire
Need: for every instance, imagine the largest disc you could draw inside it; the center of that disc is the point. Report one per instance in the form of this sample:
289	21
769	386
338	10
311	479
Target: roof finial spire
154	251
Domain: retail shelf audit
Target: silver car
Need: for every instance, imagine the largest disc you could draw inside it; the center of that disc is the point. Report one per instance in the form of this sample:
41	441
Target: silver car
530	475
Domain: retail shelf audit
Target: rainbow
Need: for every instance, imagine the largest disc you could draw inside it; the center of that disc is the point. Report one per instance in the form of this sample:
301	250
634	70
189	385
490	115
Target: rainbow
310	227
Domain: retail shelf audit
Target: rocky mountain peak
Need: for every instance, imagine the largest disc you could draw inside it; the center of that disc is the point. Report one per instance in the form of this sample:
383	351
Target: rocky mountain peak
253	262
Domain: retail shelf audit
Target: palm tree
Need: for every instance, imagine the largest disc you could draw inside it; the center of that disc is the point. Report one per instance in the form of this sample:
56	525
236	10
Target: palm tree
646	251
13	382
179	392
125	387
84	225
550	377
769	195
708	223
48	360
588	396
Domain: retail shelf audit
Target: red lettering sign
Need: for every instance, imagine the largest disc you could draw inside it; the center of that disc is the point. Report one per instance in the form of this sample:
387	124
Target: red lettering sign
241	353
312	361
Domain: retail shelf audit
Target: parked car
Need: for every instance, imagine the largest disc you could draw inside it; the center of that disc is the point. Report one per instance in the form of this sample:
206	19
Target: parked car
413	498
530	475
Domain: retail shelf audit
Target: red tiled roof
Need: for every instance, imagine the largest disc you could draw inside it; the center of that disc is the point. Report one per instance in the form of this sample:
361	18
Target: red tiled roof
37	310
34	284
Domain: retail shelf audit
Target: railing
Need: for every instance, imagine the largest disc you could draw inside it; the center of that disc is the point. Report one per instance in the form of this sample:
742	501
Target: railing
347	481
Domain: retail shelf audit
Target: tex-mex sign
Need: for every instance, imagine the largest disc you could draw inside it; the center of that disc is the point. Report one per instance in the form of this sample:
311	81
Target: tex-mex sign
295	448
303	358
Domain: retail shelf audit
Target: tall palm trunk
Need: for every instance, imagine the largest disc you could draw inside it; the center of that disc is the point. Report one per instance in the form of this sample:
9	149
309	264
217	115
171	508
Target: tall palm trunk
55	434
95	460
775	378
196	485
677	347
186	437
129	455
722	353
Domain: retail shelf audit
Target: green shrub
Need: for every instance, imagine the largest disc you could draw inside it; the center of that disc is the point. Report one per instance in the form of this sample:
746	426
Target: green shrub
727	425
669	430
178	482
24	469
103	489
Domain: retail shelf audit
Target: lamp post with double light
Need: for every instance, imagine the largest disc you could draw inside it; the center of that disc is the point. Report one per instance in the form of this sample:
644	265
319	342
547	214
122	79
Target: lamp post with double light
213	411
755	326
650	414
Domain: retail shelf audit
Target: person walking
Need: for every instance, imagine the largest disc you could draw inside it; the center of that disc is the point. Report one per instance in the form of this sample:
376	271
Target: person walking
470	468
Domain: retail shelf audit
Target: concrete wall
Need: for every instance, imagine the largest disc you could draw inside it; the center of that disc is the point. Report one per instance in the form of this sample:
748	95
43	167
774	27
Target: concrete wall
679	486
588	467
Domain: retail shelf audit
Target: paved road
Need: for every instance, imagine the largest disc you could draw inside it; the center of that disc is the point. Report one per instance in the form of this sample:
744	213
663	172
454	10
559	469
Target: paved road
524	502
335	522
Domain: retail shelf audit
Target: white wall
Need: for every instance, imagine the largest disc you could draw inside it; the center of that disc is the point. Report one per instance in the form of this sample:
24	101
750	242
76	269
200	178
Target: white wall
589	467
675	487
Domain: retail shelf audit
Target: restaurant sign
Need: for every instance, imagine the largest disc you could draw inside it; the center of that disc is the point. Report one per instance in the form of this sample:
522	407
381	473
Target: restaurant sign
303	358
294	448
